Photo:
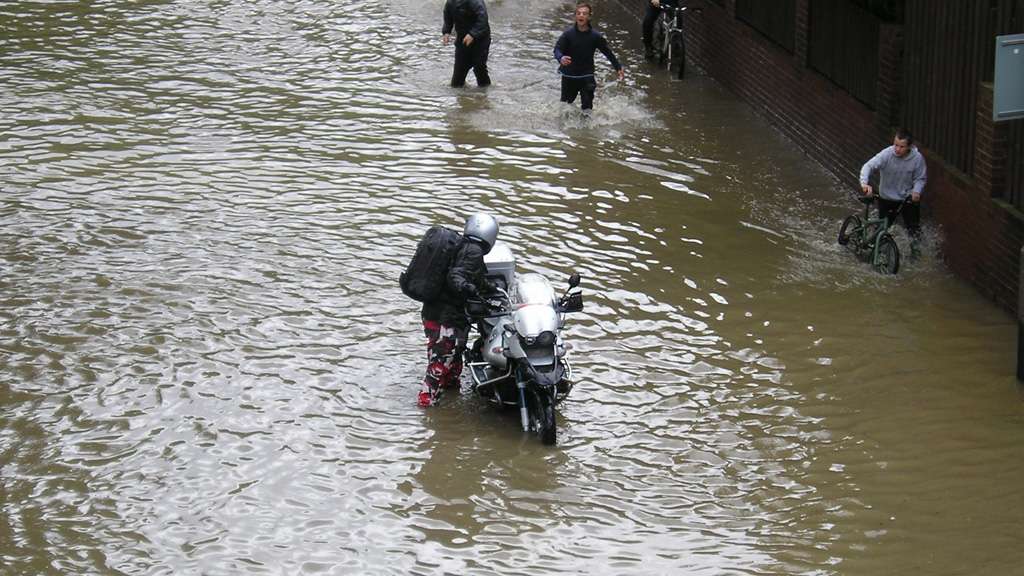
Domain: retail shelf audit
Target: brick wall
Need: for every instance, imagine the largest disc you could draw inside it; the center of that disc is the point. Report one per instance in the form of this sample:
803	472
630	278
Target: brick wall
982	237
807	107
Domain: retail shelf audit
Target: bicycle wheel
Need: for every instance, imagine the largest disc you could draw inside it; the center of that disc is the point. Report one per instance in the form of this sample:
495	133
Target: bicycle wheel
678	48
658	41
852	230
887	255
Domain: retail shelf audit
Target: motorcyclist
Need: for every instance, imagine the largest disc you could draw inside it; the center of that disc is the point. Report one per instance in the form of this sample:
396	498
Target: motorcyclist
445	323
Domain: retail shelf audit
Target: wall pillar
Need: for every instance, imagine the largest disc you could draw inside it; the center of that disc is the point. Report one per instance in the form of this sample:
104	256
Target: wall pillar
801	30
890	77
1020	321
990	146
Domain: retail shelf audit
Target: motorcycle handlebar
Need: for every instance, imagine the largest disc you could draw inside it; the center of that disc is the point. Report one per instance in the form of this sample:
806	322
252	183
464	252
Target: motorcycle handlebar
486	307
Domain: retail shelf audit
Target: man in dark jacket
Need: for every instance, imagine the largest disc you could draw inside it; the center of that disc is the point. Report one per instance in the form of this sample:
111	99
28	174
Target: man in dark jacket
445	322
472	39
575	54
654	8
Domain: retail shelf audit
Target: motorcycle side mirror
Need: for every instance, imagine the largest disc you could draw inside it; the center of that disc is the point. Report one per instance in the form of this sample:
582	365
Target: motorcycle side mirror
574	280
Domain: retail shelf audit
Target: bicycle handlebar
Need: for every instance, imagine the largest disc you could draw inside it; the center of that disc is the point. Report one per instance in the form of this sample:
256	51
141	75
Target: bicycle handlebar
869	199
673	9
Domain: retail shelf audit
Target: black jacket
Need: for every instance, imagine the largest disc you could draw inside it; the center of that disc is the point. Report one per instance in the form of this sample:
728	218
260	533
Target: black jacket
468	17
467	276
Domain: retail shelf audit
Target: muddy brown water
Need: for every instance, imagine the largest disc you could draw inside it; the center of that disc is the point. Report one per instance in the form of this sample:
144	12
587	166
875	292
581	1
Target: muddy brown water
206	366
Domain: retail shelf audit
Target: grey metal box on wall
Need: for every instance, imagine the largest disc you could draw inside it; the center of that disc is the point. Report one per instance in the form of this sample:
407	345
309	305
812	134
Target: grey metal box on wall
1008	103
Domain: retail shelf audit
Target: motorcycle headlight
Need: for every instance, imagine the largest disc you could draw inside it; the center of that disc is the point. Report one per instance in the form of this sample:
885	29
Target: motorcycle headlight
545	338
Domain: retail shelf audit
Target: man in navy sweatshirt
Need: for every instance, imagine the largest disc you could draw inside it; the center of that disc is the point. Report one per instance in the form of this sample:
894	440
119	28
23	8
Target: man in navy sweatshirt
575	54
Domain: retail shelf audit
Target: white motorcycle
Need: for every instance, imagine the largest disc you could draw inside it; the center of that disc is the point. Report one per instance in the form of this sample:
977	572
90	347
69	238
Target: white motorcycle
519	360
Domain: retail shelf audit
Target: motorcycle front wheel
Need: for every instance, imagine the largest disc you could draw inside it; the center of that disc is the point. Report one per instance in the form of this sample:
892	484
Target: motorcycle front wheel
542	414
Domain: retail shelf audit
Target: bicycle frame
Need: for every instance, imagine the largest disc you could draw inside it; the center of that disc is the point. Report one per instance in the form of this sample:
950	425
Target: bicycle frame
672	44
866	237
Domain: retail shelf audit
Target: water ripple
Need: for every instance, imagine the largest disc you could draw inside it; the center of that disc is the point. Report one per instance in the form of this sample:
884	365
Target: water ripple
208	366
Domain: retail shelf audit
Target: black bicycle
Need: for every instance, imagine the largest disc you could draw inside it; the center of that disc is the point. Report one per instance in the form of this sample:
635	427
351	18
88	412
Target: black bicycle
668	42
869	239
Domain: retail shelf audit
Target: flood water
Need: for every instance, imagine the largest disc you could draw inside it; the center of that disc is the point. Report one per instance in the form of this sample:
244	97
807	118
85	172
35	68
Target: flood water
207	367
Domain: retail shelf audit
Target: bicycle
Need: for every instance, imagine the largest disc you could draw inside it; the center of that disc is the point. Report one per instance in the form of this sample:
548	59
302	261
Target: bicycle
869	238
668	40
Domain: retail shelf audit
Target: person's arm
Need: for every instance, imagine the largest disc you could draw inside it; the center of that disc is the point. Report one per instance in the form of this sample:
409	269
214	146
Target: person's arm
446	28
602	45
560	47
870	166
480	25
467	267
920	179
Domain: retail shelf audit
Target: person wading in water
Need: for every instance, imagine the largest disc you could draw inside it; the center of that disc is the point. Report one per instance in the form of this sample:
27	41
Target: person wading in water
574	52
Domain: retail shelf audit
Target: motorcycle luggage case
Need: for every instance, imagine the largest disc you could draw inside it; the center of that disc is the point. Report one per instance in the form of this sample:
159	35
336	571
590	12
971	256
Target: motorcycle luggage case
501	265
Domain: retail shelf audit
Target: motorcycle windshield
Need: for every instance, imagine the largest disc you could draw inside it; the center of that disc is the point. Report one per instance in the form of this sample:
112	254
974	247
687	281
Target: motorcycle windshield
532	319
533	288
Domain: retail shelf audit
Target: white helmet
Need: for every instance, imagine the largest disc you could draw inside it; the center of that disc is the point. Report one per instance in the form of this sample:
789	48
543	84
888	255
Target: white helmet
483	228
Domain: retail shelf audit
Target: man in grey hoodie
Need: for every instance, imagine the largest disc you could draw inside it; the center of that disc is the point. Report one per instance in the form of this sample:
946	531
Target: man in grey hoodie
472	39
902	173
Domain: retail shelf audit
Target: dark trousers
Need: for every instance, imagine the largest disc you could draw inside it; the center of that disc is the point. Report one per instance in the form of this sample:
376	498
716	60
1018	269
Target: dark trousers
584	87
911	214
472	57
648	26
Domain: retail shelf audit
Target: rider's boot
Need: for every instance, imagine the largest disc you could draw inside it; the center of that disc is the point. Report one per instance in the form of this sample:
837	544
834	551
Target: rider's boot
424	400
648	52
452	378
430	391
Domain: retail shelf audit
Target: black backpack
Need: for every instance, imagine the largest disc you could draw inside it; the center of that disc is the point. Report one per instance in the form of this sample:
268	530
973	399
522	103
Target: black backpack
425	276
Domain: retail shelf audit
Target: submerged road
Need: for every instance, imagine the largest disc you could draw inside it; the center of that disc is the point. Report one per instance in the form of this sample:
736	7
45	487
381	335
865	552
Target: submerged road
206	365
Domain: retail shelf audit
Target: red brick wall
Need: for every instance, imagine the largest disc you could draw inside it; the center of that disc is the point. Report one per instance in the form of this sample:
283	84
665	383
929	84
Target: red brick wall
807	107
982	238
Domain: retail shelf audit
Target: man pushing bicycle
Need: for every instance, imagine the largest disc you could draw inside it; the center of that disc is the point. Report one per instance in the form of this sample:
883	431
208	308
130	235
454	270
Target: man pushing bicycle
654	8
902	174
